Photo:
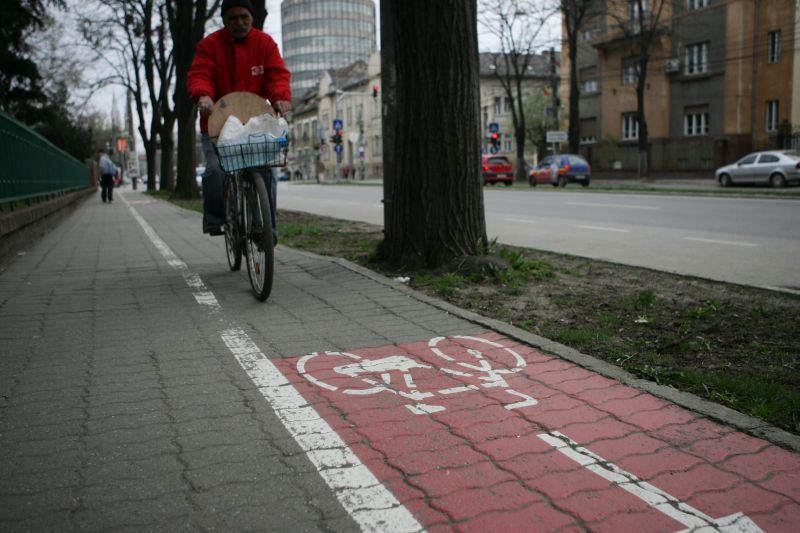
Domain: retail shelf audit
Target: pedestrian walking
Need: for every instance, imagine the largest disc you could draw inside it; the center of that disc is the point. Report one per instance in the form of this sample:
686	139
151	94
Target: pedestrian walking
108	171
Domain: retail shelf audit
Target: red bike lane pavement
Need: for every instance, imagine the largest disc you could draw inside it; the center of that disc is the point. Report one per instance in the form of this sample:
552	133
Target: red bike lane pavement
479	432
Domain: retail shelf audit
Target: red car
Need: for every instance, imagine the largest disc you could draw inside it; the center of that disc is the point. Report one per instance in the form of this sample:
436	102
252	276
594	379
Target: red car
497	168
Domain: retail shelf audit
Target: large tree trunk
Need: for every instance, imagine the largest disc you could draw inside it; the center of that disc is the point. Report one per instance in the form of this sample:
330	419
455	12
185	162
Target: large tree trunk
260	14
187	30
433	199
167	157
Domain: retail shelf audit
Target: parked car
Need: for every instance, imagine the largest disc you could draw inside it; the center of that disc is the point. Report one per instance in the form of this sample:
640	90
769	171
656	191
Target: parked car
497	168
560	169
774	167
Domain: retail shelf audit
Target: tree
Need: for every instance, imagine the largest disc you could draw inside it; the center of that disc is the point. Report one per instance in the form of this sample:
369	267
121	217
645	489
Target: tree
433	200
536	123
20	78
187	22
39	77
125	36
575	14
640	24
516	24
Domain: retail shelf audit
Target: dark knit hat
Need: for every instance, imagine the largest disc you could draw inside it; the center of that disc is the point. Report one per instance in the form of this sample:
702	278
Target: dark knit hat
227	4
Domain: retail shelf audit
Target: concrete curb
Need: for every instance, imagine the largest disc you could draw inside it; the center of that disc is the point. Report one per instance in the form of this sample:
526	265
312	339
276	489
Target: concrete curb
726	415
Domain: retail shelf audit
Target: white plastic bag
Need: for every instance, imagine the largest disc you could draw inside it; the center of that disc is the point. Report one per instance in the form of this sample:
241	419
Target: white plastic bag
234	132
258	143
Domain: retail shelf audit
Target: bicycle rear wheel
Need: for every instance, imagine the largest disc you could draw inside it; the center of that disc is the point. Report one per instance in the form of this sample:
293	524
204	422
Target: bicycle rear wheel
258	237
233	236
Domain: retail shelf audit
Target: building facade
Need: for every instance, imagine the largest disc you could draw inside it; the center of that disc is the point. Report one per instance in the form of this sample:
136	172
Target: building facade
721	80
348	95
496	105
322	34
352	95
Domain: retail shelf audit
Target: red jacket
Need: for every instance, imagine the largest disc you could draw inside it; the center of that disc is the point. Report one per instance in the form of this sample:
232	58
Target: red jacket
222	65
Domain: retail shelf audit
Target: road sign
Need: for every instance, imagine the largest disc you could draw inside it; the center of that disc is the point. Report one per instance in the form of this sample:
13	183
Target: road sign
494	127
338	124
338	148
556	136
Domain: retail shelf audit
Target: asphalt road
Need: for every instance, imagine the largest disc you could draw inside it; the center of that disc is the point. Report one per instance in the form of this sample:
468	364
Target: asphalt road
750	241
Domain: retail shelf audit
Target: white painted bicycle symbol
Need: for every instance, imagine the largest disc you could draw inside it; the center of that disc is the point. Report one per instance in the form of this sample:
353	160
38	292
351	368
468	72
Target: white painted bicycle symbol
465	364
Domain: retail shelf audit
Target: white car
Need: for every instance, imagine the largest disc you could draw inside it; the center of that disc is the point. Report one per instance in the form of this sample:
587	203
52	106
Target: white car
775	167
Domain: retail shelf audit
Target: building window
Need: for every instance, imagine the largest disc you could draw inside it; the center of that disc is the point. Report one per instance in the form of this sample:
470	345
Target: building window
630	127
637	10
508	145
772	115
588	77
697	58
588	130
695	122
774	47
629	71
691	5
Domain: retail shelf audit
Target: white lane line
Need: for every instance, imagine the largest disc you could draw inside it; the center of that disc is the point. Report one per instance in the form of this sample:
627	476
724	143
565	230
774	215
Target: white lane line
522	220
362	495
602	228
615	206
687	515
729	243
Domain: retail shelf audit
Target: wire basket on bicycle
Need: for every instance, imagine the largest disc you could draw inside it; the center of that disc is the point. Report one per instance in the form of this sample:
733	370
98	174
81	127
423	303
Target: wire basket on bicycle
260	150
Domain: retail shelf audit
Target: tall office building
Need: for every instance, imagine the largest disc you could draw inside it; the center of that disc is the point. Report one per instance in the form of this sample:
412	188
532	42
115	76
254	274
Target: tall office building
324	34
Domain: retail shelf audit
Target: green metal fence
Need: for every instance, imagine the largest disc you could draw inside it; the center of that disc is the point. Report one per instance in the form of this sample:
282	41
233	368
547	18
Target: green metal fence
32	167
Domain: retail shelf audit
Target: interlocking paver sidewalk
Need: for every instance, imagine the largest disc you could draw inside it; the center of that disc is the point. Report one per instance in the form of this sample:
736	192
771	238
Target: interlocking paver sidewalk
142	387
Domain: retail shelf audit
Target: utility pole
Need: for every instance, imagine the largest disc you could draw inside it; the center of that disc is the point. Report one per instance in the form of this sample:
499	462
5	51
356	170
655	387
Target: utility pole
556	103
754	74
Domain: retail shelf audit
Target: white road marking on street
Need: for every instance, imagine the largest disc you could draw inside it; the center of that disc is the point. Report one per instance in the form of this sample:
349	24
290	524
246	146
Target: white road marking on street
362	495
715	241
687	515
615	206
522	220
602	228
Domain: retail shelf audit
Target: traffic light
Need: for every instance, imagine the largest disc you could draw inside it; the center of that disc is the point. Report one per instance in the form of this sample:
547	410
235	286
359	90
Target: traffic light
336	138
374	91
495	140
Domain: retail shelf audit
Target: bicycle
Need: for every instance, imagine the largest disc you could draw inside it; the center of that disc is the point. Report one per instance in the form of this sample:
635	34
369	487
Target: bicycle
248	208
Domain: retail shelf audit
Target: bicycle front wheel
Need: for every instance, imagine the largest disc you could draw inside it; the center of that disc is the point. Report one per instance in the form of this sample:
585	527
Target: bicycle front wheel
233	236
258	238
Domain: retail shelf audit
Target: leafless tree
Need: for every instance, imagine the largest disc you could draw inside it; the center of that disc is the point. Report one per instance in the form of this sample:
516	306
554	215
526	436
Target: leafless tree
576	15
433	200
187	21
641	24
131	46
517	27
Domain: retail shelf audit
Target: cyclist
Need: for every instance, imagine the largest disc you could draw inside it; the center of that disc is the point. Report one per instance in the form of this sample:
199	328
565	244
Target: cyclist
237	57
